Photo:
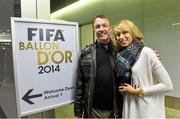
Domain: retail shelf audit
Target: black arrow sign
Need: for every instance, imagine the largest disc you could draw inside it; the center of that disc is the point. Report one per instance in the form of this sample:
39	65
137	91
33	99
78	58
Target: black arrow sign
27	96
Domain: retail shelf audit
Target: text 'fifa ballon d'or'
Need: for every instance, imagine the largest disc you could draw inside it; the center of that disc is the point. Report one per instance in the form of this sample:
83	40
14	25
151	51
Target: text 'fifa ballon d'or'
46	43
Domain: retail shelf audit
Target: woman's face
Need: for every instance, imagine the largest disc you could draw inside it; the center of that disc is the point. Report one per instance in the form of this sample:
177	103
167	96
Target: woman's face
124	38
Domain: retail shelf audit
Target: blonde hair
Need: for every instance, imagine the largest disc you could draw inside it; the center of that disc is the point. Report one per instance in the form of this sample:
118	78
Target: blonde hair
127	26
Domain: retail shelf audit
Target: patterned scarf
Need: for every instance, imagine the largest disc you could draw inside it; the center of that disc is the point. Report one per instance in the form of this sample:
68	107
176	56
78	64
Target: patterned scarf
125	59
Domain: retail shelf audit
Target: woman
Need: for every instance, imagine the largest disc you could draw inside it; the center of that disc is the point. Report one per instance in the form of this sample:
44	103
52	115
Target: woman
144	80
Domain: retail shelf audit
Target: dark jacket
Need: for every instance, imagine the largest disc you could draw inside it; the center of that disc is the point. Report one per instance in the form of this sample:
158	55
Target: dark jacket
85	84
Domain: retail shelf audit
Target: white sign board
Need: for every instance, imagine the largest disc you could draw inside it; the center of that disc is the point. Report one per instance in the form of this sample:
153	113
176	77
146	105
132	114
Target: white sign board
45	58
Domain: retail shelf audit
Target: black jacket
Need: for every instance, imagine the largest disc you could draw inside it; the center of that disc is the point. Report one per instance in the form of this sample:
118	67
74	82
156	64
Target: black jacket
85	84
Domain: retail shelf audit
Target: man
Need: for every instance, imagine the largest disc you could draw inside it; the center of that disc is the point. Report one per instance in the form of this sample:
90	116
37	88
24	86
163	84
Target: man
96	92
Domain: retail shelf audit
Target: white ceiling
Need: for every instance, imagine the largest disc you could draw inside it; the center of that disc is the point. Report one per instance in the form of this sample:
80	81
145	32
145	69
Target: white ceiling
118	9
112	8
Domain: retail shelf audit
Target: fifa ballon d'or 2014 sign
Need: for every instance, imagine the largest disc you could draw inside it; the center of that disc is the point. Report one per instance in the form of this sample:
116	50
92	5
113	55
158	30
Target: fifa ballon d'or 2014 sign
44	58
47	49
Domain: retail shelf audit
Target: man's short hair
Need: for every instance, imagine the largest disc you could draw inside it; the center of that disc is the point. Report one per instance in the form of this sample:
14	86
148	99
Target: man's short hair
102	17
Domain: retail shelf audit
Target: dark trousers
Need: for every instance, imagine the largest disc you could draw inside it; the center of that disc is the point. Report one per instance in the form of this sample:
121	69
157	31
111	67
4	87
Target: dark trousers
2	114
98	113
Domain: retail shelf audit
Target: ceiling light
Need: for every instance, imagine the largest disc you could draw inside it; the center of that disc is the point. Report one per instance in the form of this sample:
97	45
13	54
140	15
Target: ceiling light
69	8
176	24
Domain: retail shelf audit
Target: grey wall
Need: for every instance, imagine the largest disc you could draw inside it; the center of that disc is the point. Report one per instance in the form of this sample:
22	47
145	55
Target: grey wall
162	33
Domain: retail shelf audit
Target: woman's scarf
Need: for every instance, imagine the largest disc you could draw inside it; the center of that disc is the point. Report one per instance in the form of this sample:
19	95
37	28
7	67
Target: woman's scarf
125	59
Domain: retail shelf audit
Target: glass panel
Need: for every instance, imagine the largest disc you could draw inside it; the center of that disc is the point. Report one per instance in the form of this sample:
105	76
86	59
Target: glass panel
7	87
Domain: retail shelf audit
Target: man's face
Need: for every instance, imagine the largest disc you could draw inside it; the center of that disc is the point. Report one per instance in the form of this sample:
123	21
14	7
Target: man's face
102	30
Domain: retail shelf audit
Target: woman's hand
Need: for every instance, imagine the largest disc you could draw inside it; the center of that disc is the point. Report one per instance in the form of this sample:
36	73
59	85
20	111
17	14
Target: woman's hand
128	89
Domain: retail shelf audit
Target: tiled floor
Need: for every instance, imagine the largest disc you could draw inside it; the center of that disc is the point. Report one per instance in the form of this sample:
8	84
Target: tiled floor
67	111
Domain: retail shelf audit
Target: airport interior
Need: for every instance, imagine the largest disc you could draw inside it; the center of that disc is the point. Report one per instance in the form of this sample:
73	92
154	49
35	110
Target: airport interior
159	21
